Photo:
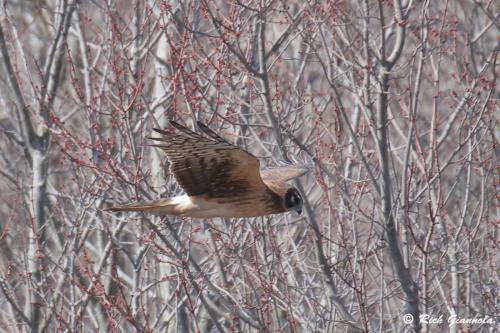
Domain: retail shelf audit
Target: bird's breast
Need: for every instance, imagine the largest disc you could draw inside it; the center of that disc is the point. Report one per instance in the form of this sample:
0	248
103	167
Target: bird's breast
235	206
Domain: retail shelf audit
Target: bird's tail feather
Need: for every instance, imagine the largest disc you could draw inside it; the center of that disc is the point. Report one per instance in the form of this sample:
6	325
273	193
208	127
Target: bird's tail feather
161	206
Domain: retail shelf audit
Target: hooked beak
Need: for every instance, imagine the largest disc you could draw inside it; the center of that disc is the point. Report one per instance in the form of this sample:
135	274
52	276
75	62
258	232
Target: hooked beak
298	210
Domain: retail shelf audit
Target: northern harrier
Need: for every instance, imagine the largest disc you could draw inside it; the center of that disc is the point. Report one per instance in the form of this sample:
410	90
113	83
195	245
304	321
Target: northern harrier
220	180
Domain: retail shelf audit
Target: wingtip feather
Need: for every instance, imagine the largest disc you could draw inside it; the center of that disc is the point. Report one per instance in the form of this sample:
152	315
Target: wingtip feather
202	126
179	126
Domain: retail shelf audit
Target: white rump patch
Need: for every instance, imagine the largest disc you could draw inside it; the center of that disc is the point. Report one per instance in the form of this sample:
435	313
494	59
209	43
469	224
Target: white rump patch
181	200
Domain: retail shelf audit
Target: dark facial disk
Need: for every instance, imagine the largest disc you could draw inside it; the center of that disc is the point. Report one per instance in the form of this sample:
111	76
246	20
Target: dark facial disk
293	200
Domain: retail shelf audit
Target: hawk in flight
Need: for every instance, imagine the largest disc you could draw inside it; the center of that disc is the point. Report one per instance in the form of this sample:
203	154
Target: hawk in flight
220	180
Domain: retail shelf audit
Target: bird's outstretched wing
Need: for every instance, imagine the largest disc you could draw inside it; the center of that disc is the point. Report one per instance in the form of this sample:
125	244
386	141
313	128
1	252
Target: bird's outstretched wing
209	166
282	173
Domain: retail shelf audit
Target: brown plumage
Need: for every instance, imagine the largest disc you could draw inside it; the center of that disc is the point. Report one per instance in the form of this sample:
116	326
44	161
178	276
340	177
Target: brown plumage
220	180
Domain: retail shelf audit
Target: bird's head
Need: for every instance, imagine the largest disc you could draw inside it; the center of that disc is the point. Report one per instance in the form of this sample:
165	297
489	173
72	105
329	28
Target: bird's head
293	200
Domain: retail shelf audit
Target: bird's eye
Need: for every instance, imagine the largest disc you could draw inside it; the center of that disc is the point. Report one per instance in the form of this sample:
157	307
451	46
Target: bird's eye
293	200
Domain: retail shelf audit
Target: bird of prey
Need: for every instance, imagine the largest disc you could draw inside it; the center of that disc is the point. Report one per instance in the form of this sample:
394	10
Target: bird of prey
220	180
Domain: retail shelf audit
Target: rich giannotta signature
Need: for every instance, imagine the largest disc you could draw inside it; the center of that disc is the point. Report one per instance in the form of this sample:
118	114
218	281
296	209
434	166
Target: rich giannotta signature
455	319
